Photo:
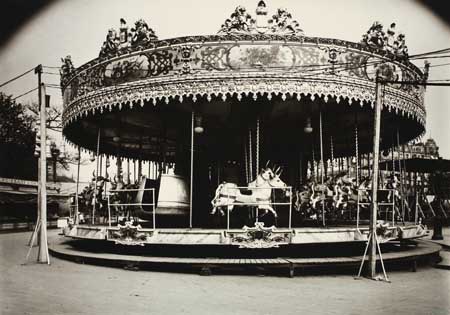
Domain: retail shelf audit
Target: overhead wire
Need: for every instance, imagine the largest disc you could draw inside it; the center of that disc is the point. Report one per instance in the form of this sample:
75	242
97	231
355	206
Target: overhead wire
51	67
440	51
430	57
440	65
17	77
28	92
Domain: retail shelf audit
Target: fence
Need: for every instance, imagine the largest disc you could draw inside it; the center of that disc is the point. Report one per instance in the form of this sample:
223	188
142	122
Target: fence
256	203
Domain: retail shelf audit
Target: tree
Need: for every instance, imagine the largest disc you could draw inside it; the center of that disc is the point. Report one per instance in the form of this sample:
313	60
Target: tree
59	159
17	140
53	116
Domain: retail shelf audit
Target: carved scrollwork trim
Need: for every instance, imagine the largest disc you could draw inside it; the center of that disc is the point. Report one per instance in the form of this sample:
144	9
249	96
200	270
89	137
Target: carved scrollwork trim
258	84
129	234
259	237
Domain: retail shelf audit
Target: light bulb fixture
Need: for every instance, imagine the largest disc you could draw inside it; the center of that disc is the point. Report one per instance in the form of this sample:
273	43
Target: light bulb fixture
116	139
308	128
198	128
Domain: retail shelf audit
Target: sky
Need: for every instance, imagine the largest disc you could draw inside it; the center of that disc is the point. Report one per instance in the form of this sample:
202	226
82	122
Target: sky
78	28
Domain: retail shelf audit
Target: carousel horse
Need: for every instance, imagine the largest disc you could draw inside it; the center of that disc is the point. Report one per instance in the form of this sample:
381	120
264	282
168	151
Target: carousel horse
339	193
228	195
116	195
343	188
302	198
321	193
354	195
93	195
302	202
101	204
307	199
363	191
121	195
309	194
340	196
315	196
393	183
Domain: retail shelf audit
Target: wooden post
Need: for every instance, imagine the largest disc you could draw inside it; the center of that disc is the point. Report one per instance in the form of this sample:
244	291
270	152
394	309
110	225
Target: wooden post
376	157
43	256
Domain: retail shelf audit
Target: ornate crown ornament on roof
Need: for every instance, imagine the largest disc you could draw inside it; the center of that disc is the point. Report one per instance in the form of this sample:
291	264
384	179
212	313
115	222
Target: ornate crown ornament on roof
378	38
128	39
241	22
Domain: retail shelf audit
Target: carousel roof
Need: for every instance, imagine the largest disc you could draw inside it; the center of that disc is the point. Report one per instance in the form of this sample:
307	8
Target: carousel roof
141	90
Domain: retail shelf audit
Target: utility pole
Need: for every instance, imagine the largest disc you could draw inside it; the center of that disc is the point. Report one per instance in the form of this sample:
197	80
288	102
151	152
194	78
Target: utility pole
43	256
37	153
376	158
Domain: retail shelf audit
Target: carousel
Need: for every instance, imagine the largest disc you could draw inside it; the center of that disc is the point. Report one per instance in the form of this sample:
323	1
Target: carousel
256	138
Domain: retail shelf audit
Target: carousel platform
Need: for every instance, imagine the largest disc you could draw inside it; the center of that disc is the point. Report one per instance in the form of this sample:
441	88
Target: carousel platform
256	237
310	258
260	248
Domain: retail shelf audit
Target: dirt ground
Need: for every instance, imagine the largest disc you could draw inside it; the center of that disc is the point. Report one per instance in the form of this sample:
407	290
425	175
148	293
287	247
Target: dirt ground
69	288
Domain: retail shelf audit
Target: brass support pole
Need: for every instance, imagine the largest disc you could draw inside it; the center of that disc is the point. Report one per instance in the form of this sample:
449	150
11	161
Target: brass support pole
192	169
322	167
96	177
78	184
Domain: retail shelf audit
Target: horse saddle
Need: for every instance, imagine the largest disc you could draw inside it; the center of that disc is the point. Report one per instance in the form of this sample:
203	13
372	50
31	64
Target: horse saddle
245	191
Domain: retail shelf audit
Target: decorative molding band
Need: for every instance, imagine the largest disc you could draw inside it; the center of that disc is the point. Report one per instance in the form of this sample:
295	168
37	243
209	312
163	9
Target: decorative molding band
257	85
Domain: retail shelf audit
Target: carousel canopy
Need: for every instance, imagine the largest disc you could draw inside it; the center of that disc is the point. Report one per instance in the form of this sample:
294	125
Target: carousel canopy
140	92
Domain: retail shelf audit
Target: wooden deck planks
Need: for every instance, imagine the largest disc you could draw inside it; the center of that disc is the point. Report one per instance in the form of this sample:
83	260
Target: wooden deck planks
58	246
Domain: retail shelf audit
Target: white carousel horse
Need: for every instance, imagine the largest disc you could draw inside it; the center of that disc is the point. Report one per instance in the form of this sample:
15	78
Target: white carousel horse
228	195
